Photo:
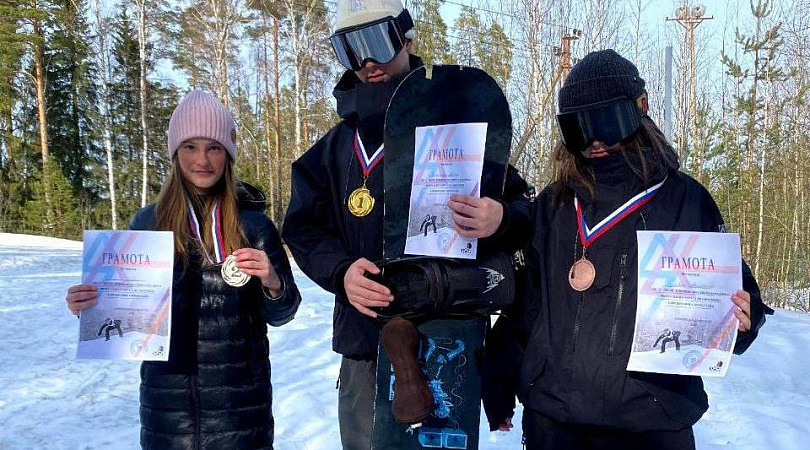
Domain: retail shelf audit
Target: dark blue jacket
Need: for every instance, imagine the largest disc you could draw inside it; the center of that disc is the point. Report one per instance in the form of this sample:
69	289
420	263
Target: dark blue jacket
215	391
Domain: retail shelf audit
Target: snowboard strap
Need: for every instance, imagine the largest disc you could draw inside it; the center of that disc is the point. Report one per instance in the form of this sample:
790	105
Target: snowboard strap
426	287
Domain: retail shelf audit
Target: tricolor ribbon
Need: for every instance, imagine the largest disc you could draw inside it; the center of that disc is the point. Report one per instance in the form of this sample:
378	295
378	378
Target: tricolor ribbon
367	163
216	232
588	235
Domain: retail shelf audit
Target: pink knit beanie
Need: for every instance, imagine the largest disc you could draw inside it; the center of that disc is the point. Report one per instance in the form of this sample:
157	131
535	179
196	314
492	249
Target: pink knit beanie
201	115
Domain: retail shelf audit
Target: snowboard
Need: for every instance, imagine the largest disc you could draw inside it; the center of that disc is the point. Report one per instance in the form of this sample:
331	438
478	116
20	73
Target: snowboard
450	348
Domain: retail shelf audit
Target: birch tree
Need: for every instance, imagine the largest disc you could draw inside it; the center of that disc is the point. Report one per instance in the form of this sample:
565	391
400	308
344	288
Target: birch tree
104	63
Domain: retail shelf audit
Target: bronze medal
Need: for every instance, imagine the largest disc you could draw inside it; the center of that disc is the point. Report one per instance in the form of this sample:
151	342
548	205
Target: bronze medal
361	202
581	275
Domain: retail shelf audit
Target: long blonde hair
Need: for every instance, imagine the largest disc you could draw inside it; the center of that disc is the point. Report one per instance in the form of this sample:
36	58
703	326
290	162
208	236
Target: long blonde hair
647	152
172	211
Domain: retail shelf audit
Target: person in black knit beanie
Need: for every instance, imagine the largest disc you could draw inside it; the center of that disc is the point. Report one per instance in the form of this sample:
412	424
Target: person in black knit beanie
600	76
564	347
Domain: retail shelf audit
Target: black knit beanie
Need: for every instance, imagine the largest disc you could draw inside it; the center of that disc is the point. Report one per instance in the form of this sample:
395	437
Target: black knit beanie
598	77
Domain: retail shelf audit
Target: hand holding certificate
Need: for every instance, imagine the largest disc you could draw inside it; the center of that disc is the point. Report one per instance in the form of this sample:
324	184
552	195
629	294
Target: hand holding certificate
449	159
132	272
685	318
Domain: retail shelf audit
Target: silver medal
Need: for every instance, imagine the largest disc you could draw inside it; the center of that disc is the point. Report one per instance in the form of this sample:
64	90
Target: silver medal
231	273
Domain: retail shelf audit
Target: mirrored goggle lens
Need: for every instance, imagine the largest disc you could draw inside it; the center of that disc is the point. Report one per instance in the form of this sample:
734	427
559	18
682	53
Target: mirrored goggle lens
344	54
380	42
610	124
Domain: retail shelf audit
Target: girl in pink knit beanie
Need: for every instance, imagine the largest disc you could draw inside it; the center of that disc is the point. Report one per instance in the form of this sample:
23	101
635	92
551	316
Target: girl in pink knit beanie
231	279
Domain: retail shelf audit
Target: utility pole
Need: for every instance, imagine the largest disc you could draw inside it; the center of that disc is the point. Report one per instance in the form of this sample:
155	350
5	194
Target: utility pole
689	17
559	76
564	52
668	93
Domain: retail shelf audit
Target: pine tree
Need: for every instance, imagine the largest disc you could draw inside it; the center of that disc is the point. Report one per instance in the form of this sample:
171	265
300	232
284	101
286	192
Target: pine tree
431	32
760	49
468	48
71	96
497	59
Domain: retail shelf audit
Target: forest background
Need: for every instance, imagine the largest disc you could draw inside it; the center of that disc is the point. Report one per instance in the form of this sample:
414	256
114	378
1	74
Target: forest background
87	88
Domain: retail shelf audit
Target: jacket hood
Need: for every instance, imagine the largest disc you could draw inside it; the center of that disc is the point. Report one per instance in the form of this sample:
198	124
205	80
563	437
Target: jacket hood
353	96
250	197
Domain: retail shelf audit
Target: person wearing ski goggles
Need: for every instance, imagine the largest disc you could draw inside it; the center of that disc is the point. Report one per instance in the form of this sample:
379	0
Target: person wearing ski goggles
607	123
379	41
569	337
334	222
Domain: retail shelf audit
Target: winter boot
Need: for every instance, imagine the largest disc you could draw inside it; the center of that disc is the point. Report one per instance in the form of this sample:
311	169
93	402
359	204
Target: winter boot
412	398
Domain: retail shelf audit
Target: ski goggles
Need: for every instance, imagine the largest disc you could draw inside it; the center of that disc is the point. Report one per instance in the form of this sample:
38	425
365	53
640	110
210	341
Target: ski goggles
379	41
609	123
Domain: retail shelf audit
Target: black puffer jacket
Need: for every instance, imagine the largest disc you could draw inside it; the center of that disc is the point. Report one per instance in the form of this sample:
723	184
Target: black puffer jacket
215	391
564	353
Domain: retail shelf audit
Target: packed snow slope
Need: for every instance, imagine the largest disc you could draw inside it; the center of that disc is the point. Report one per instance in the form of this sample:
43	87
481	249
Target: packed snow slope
50	400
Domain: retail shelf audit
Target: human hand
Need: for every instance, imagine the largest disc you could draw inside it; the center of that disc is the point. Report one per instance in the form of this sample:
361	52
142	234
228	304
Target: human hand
256	263
81	296
475	217
743	312
362	292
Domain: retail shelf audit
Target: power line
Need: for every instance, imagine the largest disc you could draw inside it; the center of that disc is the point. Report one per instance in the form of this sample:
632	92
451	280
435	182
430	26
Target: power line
525	50
513	16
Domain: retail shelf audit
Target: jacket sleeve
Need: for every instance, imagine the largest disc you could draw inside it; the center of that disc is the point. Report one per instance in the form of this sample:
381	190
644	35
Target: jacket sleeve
502	359
515	227
144	219
758	308
311	231
279	310
508	339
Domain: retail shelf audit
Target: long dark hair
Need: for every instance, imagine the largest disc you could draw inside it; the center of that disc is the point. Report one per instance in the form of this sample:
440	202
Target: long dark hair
647	152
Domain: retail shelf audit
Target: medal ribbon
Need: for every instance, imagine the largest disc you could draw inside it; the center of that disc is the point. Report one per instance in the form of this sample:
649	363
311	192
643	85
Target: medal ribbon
216	232
588	235
366	163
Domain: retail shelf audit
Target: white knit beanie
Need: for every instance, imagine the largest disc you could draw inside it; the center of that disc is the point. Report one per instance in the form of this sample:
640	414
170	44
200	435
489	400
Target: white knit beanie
357	12
202	115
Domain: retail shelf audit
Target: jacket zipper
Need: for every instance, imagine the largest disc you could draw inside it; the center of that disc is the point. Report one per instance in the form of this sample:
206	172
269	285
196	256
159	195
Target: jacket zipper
576	321
619	294
195	403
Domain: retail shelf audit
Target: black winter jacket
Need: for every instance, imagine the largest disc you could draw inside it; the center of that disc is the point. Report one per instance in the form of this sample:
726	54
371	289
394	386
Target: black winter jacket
215	391
565	354
325	238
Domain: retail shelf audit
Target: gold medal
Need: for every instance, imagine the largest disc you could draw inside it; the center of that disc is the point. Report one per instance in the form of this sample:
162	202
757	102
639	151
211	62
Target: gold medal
581	275
361	202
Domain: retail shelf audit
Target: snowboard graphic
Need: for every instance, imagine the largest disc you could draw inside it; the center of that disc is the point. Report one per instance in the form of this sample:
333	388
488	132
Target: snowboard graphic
450	348
449	352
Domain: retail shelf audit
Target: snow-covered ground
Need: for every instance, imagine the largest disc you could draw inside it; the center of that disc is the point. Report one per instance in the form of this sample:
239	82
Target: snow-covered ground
49	400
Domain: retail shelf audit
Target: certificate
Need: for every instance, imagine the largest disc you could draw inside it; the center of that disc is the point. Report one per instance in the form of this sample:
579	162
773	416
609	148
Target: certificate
685	322
448	159
133	273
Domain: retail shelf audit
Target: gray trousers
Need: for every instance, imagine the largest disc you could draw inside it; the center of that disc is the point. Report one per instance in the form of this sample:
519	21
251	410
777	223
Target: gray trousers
357	383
